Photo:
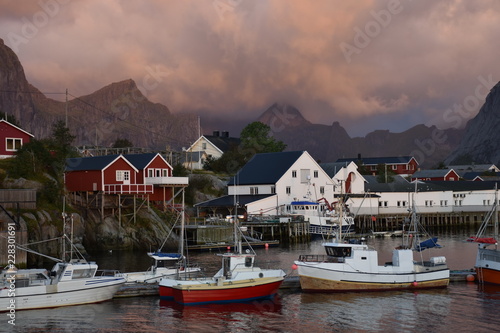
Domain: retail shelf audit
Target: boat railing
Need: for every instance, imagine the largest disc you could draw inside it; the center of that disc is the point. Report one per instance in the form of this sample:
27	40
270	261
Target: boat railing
107	272
319	258
491	255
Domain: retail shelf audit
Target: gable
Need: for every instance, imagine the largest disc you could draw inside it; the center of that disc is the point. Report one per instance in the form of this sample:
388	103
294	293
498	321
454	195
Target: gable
6	126
266	168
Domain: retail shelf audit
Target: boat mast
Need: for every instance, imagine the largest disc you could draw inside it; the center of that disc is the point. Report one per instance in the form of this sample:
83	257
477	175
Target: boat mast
181	245
495	221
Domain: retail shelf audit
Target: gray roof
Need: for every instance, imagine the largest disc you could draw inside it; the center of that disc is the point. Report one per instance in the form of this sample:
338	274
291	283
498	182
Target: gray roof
89	163
472	167
139	161
224	143
266	168
332	168
432	173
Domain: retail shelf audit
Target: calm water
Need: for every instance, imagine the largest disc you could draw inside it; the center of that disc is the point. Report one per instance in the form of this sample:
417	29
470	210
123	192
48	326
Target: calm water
462	307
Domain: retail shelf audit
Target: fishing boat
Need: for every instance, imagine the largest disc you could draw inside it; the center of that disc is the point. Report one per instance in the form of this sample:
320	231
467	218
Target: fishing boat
324	218
487	264
164	265
353	266
68	283
238	280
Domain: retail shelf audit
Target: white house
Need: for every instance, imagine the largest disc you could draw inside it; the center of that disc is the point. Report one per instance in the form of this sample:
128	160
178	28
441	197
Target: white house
346	176
208	146
270	181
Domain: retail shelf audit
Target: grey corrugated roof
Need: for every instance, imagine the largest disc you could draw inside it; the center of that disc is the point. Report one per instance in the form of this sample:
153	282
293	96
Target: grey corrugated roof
266	168
228	200
378	160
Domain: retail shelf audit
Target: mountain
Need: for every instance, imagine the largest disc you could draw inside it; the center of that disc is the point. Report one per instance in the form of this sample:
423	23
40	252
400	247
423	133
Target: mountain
119	110
480	143
428	145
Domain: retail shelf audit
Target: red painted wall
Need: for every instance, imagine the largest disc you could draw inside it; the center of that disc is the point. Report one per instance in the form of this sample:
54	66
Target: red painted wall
8	131
83	180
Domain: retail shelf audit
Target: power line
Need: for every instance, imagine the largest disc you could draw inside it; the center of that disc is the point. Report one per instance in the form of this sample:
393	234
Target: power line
168	138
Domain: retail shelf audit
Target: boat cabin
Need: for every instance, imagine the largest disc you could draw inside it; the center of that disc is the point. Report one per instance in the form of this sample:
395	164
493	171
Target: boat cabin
74	270
24	277
236	262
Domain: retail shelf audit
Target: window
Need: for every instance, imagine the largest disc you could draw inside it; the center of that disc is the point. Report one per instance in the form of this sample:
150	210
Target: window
254	190
150	173
316	174
294	174
122	175
394	167
428	203
288	190
273	189
444	203
13	144
165	172
322	190
204	145
305	175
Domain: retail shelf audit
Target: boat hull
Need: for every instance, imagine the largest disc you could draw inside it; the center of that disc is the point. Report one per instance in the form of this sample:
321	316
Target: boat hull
234	291
312	284
488	265
62	294
488	275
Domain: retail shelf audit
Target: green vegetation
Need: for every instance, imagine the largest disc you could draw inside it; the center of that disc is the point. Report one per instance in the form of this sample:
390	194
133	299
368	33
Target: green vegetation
43	161
122	143
255	139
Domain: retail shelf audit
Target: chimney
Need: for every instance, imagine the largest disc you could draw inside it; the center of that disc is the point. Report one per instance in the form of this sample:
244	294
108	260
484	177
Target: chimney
359	157
216	133
225	134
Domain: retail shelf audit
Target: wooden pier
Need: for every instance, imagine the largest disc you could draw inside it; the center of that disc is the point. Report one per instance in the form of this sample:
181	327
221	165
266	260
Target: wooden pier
291	282
388	222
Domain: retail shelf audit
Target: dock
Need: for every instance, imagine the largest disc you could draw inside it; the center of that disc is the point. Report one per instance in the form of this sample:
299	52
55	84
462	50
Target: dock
290	283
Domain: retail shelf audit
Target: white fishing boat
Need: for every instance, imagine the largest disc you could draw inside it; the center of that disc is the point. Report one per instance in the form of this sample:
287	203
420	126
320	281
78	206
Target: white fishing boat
324	218
68	283
487	264
165	265
354	267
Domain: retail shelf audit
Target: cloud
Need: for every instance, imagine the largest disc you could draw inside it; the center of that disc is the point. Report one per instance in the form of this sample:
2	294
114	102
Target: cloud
228	56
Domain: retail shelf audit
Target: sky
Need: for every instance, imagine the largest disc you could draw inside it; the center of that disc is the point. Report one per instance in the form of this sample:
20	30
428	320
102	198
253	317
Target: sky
370	65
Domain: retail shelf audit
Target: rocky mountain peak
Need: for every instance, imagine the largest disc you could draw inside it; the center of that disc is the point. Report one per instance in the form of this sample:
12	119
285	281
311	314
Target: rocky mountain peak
480	142
281	115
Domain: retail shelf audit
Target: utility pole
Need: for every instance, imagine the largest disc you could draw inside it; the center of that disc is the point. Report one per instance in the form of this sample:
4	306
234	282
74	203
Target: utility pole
66	107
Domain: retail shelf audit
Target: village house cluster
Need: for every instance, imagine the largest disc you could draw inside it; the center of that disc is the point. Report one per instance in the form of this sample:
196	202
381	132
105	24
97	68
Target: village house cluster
271	181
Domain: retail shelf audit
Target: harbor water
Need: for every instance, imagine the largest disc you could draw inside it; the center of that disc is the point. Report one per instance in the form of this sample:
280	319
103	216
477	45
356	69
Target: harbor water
462	307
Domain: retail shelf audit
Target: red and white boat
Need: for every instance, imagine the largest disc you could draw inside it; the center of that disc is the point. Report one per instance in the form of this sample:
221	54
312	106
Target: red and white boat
238	280
488	255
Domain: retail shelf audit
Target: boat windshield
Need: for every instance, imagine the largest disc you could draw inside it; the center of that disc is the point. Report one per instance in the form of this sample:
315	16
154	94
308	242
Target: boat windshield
338	251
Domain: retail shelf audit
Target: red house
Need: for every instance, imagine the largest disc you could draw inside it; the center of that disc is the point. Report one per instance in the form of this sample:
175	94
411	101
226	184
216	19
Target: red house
12	138
436	175
137	174
401	165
